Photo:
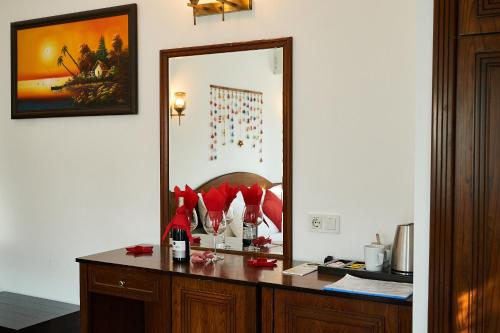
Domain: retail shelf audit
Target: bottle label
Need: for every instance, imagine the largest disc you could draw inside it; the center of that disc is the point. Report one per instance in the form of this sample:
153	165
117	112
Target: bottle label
179	249
249	233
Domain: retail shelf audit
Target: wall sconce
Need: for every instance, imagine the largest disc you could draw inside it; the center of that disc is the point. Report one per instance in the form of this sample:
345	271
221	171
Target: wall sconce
178	105
218	7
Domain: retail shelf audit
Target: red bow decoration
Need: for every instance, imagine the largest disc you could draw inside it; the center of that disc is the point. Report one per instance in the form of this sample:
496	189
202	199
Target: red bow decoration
190	197
261	241
229	193
179	221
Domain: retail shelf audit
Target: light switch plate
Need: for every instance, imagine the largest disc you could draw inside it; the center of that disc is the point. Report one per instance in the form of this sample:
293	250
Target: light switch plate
331	223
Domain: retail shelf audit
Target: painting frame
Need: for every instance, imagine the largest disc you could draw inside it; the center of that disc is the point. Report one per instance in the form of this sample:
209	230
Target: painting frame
129	104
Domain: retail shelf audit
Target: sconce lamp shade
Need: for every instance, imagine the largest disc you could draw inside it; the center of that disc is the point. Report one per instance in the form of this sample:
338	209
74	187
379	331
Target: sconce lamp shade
179	102
179	105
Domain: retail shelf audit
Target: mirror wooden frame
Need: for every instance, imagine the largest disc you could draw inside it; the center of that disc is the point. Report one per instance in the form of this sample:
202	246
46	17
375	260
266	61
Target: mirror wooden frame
165	55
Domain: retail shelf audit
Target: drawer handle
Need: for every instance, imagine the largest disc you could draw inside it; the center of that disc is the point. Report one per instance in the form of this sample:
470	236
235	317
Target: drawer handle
121	283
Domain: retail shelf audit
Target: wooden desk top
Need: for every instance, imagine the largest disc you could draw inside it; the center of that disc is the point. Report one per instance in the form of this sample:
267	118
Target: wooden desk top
232	269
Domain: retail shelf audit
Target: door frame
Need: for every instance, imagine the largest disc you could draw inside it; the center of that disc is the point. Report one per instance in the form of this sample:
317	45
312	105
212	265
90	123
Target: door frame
442	166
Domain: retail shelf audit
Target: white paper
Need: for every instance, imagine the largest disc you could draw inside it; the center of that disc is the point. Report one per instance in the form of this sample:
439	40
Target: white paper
301	270
355	285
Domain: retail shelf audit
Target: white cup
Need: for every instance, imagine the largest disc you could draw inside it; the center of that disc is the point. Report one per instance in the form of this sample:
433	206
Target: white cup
374	257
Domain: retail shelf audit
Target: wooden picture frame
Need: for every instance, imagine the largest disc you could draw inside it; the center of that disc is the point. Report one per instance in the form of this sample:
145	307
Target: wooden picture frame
80	64
165	55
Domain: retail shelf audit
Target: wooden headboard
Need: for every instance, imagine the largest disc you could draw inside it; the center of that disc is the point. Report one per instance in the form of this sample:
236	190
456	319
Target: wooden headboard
233	178
237	178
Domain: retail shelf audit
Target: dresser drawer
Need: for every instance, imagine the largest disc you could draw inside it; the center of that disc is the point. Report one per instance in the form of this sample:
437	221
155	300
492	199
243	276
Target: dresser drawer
124	282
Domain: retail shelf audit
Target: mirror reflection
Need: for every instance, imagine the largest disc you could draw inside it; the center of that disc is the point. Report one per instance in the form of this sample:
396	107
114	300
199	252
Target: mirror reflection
226	132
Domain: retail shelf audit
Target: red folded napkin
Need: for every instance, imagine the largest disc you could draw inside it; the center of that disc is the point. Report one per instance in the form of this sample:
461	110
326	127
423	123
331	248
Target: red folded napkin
140	249
251	195
262	262
229	193
190	197
179	221
261	241
214	202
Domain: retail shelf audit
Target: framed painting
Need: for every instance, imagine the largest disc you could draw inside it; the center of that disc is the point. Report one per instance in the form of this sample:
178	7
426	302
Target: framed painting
80	64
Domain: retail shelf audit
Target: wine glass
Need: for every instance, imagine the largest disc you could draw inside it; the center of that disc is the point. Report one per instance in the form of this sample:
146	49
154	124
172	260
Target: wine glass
252	218
193	220
215	224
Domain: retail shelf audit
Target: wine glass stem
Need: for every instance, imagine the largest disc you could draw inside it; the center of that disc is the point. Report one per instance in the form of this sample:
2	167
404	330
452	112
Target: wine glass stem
215	245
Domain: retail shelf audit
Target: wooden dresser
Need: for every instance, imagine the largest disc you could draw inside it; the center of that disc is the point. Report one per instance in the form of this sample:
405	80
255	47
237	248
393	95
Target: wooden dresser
151	293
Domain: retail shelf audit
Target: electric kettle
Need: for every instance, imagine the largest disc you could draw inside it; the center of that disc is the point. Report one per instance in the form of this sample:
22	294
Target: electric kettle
402	250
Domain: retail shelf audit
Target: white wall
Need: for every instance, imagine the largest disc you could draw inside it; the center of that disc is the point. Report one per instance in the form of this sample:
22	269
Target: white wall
72	187
189	143
422	161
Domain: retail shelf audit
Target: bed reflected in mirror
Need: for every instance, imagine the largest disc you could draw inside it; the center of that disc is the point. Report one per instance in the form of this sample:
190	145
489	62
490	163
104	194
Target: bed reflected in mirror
227	131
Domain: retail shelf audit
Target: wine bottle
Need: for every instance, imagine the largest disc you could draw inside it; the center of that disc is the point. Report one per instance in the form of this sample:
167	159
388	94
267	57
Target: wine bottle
180	242
249	234
180	245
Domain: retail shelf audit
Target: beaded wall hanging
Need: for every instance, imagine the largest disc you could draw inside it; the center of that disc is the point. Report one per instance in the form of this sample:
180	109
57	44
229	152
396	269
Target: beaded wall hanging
235	118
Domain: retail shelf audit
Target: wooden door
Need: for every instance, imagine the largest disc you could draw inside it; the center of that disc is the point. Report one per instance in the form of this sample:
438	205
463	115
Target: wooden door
476	266
204	306
296	312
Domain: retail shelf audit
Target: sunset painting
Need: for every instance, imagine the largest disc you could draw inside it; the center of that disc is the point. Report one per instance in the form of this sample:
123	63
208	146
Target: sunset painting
75	68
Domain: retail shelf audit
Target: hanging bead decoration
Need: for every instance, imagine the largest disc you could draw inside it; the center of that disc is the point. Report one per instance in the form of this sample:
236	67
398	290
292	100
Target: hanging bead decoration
235	118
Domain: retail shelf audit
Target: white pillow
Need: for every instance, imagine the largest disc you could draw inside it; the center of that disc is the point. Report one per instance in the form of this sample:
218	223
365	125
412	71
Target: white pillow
278	190
236	208
264	230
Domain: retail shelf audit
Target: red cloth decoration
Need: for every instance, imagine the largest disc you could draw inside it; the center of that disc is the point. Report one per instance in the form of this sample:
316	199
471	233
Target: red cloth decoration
140	249
261	241
273	208
262	262
251	195
190	197
214	202
179	221
229	193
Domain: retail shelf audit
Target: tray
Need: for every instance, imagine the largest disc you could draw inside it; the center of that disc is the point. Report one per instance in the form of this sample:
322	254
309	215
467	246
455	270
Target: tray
384	275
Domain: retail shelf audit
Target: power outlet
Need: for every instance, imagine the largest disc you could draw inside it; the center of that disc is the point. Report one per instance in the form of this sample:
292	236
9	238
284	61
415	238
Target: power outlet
325	223
315	222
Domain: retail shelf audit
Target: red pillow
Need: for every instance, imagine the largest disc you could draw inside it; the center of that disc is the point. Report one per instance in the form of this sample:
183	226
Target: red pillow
273	208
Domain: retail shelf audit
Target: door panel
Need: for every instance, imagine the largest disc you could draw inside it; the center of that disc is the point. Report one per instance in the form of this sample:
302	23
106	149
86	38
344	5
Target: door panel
203	306
296	312
477	203
479	16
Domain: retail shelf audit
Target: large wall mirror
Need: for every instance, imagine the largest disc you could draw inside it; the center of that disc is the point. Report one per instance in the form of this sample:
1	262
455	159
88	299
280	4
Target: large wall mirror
226	118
